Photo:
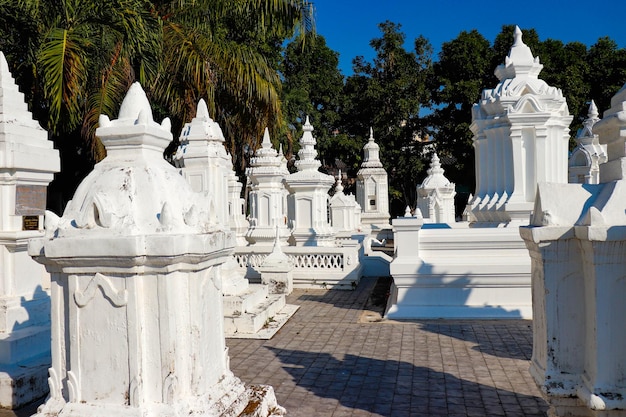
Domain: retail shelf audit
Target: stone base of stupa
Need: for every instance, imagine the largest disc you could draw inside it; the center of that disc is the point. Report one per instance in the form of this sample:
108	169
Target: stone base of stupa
463	273
231	398
24	382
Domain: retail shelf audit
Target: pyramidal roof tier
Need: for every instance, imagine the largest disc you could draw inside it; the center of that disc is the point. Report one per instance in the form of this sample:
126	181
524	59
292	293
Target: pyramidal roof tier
134	131
520	61
519	77
371	154
589	122
134	191
202	127
307	164
435	178
14	115
266	156
307	152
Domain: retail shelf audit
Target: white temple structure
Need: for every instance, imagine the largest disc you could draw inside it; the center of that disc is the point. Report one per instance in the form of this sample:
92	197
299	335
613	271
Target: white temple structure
27	165
372	188
576	240
435	195
208	168
584	162
136	288
482	269
237	209
521	136
268	206
345	212
308	196
320	256
206	163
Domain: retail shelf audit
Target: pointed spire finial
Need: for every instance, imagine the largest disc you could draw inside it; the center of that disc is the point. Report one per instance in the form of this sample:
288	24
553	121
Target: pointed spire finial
593	110
134	104
266	139
202	111
338	185
517	36
4	65
371	134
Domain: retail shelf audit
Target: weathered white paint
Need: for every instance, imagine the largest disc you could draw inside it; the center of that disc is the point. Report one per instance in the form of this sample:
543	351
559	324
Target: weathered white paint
136	286
577	241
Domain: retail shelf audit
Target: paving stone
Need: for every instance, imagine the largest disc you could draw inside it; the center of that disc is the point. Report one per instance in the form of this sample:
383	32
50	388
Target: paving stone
324	362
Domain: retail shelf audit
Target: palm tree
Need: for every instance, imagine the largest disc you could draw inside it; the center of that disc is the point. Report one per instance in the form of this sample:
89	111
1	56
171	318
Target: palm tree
76	59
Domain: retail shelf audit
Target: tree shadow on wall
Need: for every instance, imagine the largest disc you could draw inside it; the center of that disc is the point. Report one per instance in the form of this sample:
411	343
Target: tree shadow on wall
396	388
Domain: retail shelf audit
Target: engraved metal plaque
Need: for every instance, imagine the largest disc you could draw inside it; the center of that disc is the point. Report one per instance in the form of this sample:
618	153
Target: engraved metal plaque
30	222
30	200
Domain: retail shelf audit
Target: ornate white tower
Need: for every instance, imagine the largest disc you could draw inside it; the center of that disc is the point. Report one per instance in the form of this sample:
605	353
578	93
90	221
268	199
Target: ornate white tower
372	189
584	162
308	198
267	195
521	134
206	164
435	195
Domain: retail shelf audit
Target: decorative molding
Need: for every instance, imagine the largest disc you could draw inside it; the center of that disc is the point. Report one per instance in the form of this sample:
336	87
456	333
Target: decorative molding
117	298
73	387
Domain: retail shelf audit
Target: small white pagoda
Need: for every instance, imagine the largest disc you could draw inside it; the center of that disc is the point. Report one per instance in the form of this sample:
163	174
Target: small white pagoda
584	162
308	196
372	188
206	163
435	195
27	165
267	202
521	136
345	212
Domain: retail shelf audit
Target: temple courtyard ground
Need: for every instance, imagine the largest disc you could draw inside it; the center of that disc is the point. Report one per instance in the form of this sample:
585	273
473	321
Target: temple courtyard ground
336	358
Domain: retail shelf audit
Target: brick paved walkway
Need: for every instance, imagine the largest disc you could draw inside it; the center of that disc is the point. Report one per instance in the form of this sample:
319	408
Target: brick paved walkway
327	361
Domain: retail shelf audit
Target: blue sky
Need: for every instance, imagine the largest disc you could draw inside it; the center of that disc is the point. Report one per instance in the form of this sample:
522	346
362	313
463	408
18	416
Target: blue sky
349	25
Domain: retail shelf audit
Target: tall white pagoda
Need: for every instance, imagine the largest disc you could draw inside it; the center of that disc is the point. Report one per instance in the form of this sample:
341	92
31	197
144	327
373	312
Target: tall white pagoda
267	203
308	196
372	188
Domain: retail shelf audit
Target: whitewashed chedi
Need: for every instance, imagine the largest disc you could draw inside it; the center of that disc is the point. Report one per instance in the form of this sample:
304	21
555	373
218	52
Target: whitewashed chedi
136	289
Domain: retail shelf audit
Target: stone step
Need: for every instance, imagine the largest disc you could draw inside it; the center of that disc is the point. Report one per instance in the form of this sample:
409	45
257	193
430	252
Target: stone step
255	318
237	304
24	344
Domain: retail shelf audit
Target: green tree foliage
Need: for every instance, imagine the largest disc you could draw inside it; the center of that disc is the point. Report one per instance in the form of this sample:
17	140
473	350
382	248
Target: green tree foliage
312	86
76	59
463	70
387	95
607	72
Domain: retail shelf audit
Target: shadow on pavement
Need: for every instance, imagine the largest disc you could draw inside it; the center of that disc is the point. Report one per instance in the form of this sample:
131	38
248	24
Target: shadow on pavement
393	388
